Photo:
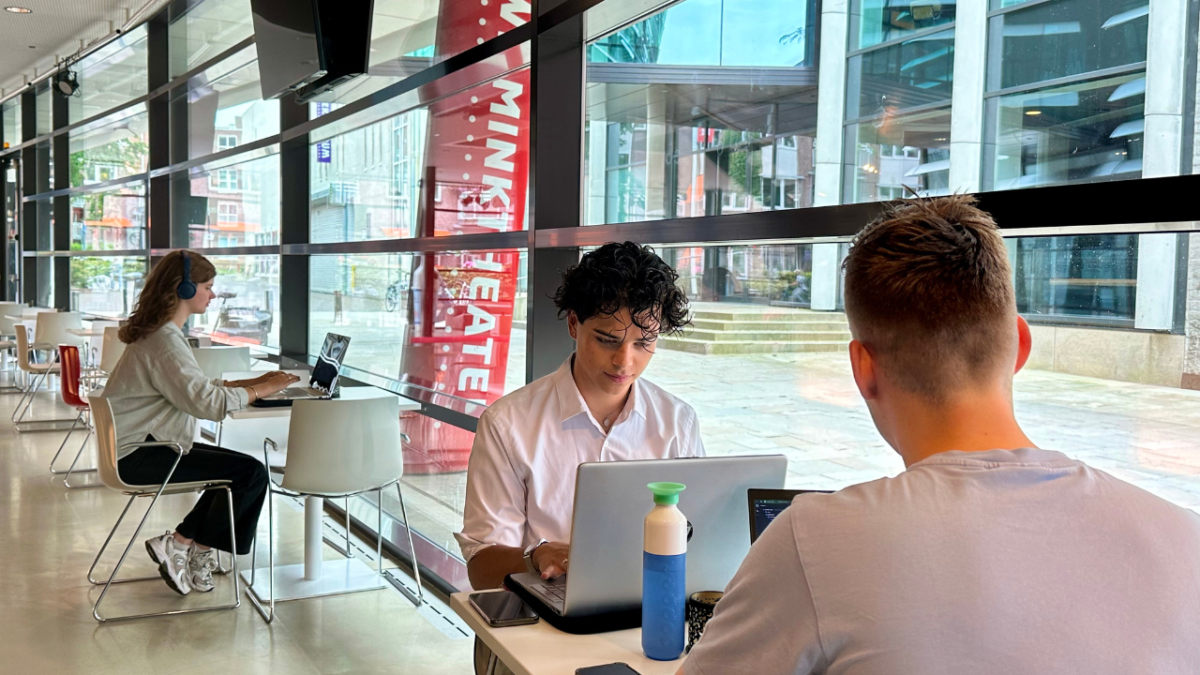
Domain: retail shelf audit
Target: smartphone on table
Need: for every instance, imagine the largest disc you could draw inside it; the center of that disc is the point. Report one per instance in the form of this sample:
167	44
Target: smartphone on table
502	608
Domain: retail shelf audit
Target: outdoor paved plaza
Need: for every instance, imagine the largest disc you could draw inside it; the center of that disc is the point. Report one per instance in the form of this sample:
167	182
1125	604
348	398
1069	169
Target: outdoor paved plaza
805	406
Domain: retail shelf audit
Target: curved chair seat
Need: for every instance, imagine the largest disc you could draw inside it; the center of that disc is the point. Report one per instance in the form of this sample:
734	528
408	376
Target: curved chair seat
173	488
41	367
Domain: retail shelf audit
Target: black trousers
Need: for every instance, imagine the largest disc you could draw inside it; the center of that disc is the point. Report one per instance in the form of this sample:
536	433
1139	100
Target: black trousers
208	522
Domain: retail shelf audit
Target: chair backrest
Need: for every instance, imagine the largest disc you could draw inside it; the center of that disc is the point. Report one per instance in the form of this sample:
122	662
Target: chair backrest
52	328
95	344
343	445
23	349
105	431
7	309
70	370
112	350
216	361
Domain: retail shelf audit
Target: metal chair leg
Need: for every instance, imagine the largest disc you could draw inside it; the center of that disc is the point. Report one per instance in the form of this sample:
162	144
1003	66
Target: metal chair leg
64	444
112	578
412	548
267	615
67	478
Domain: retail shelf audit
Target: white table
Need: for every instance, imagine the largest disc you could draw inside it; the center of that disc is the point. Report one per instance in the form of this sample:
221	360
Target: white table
317	577
86	332
542	649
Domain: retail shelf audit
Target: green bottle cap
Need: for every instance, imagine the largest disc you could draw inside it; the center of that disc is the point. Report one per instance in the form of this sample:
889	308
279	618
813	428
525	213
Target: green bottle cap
666	493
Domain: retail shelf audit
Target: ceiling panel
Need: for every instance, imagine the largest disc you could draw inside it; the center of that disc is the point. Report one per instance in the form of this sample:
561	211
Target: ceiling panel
29	41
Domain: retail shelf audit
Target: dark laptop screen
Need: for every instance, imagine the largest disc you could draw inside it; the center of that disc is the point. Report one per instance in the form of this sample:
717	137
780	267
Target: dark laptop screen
766	505
329	362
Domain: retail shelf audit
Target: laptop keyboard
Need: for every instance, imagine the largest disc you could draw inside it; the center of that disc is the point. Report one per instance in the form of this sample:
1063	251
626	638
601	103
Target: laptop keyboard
554	591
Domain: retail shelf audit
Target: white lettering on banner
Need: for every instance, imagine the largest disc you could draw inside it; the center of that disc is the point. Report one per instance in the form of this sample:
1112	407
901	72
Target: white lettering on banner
490	288
479	375
482	321
481	350
496	188
489	263
510	9
499	159
502	127
511	91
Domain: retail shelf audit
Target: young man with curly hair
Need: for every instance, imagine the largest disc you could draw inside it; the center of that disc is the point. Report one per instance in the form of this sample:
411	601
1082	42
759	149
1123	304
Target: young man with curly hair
595	408
987	555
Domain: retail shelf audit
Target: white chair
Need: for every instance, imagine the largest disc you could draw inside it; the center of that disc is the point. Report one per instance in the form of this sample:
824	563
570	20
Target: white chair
8	332
106	440
112	350
95	344
338	449
52	330
216	361
35	374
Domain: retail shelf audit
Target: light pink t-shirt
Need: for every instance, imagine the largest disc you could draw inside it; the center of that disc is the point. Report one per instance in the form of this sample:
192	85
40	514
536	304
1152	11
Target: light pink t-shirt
997	563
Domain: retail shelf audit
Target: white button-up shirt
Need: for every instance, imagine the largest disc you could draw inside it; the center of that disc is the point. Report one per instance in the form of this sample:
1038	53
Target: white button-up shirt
521	476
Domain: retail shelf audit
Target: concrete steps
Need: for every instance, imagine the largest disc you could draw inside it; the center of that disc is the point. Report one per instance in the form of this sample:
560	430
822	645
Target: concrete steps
751	329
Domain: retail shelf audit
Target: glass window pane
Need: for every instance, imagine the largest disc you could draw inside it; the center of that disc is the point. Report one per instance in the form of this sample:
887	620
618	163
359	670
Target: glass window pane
1079	133
111	148
916	72
223	107
664	142
458	166
106	286
45	223
109	220
1090	279
873	22
1097	394
11	111
1067	37
450	323
435	479
407	37
229	204
247	302
42	107
893	157
112	75
207	29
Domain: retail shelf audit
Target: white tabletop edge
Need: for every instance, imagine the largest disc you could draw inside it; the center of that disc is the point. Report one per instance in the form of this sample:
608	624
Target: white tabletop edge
541	649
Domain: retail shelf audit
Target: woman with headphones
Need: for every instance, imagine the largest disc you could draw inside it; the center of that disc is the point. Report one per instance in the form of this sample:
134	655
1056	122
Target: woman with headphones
157	391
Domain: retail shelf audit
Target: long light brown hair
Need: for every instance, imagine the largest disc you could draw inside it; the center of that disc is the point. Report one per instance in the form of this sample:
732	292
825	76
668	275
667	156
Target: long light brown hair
159	297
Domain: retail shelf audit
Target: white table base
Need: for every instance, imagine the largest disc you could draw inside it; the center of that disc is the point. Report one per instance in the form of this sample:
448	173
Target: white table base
337	576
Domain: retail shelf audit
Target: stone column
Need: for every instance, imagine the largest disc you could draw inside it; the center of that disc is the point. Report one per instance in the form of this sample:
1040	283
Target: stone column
831	104
966	114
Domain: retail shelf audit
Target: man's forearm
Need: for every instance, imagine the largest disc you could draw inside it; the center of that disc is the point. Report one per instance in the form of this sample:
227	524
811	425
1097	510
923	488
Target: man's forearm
489	567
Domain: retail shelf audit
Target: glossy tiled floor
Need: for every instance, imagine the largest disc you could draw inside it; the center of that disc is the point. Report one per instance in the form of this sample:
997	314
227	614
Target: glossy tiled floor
49	535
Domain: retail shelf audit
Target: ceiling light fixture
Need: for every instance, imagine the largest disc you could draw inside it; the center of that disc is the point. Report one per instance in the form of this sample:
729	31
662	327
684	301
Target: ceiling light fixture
67	82
1033	113
18	10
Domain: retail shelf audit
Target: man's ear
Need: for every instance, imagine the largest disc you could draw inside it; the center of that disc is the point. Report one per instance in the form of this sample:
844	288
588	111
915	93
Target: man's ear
573	325
1024	343
864	367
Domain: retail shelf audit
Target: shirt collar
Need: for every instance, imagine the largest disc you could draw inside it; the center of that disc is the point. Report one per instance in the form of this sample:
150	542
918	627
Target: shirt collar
571	403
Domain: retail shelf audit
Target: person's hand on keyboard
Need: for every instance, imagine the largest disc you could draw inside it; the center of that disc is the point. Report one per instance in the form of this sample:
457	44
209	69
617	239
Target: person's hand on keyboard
551	559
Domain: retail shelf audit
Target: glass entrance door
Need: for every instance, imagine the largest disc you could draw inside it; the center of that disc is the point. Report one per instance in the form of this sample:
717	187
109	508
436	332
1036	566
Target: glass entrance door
12	226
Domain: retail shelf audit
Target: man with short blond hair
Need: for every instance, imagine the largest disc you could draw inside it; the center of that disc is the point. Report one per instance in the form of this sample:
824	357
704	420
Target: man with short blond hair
987	555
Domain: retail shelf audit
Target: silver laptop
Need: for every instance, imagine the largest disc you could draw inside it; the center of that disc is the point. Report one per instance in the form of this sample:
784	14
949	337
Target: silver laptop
611	501
322	384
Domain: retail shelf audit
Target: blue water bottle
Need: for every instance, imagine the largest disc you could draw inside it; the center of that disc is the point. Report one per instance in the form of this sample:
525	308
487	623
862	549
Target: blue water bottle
664	575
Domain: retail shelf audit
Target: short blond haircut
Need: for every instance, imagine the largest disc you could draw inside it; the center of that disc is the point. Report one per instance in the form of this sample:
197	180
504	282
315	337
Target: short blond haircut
929	293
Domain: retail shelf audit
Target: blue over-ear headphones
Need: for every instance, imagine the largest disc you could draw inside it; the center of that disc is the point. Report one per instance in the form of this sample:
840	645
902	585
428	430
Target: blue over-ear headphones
186	289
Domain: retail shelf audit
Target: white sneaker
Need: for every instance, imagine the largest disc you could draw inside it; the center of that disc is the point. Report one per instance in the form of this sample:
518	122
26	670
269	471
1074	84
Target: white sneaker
200	566
172	559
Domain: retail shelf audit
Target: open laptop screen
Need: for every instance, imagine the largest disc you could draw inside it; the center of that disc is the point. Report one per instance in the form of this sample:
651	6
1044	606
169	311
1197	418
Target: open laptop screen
329	362
766	505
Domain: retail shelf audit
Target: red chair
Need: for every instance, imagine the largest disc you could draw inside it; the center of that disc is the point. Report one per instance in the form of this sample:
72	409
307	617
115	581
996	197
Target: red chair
70	372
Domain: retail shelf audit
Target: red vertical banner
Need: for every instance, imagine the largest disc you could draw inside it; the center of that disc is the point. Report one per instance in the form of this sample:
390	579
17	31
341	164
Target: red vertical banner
477	168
